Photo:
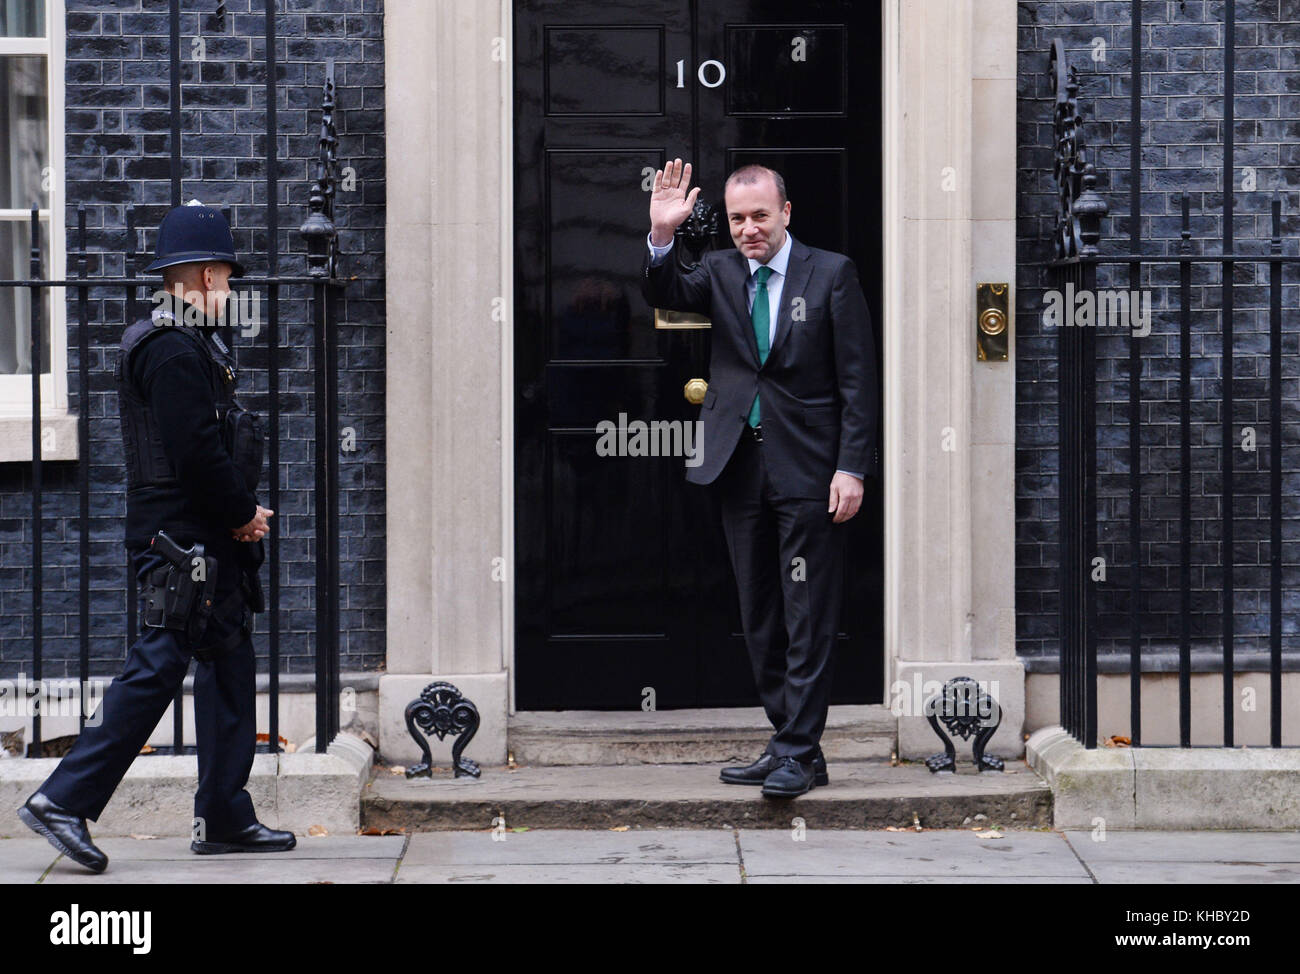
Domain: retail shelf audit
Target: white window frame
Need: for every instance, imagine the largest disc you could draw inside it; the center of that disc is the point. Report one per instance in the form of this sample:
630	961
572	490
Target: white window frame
16	390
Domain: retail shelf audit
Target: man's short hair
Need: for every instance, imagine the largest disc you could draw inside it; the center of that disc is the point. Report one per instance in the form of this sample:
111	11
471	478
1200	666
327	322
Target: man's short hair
755	173
180	273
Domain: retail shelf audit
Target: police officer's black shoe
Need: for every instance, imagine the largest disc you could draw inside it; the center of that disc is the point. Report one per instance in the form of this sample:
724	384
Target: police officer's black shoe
790	778
256	838
756	773
65	830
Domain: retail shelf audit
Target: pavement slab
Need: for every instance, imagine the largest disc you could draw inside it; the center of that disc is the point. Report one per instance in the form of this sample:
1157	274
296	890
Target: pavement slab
567	846
1211	856
626	873
25	860
343	859
1178	846
708	855
946	856
569	856
221	870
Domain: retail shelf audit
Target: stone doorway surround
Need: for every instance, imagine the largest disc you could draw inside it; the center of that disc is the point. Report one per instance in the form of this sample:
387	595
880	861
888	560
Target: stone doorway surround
949	142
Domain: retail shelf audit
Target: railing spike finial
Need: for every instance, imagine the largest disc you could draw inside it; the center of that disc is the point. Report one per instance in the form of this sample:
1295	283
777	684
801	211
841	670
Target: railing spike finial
1089	208
1080	208
318	228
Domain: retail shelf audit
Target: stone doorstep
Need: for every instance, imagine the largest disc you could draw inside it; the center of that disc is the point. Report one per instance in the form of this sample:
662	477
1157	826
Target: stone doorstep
862	794
289	791
702	736
1167	787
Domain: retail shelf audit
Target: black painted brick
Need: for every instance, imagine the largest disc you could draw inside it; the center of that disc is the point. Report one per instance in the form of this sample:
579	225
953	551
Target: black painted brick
117	149
1182	150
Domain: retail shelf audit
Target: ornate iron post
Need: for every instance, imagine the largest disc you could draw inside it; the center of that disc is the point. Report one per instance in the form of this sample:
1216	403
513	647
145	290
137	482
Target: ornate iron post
318	228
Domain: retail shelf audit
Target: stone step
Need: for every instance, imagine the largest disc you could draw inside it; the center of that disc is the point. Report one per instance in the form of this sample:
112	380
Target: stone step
727	735
861	795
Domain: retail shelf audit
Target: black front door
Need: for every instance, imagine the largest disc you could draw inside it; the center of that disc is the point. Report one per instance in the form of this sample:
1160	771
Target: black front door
623	588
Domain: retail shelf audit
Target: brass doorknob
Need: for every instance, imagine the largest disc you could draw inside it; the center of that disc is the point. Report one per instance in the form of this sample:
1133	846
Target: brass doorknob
694	391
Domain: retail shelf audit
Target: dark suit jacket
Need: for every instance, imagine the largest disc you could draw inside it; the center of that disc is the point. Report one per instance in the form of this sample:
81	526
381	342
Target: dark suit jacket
817	389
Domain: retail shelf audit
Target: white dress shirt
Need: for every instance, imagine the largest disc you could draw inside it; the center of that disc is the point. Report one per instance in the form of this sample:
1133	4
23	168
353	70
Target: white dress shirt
775	285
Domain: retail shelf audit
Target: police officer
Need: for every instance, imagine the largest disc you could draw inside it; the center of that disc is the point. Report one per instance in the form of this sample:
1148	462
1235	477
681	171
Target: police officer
194	530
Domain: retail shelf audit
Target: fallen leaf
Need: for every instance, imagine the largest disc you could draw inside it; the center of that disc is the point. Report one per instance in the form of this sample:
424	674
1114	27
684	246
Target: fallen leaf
266	739
136	835
318	830
894	828
397	769
988	834
1118	740
520	828
147	749
619	828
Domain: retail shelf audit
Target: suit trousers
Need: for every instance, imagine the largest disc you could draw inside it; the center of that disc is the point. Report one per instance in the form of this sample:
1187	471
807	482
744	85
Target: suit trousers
134	703
788	558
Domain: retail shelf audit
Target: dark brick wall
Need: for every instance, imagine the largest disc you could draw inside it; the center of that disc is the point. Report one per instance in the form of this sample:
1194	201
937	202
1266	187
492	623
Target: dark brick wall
118	150
1182	138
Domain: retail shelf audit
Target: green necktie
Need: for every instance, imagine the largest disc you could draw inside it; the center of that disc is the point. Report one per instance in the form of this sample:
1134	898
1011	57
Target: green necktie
759	316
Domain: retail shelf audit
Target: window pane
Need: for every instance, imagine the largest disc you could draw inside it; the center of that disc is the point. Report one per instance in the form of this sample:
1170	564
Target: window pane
22	18
16	302
24	130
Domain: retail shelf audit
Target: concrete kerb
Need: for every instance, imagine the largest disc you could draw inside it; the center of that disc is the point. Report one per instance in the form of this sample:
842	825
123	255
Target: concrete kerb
1167	787
324	789
292	791
1086	785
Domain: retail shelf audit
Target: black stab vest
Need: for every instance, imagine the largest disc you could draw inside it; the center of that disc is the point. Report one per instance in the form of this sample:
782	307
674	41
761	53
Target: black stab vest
154	497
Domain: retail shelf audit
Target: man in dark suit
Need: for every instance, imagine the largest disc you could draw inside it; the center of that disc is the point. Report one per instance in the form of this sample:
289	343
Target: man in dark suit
788	434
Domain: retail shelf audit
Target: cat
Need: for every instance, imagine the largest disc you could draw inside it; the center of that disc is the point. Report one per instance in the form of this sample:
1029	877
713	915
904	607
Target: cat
57	747
11	744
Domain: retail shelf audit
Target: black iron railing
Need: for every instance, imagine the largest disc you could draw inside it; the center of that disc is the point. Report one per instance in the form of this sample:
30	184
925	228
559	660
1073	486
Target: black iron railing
321	239
1075	265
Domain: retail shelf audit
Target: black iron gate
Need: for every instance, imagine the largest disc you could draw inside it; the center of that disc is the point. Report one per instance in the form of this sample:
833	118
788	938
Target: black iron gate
1075	270
322	276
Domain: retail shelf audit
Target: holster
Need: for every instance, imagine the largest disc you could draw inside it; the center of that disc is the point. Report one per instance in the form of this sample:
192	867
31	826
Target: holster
171	597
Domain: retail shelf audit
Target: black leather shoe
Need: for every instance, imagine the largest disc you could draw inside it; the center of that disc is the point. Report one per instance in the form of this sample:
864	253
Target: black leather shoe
790	778
820	778
256	838
65	830
756	773
750	774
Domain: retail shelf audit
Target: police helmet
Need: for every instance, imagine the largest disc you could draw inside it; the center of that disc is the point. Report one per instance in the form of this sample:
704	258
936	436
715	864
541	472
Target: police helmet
195	232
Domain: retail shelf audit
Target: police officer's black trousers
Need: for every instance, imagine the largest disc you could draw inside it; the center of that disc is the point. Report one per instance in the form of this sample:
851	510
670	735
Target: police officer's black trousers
134	703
